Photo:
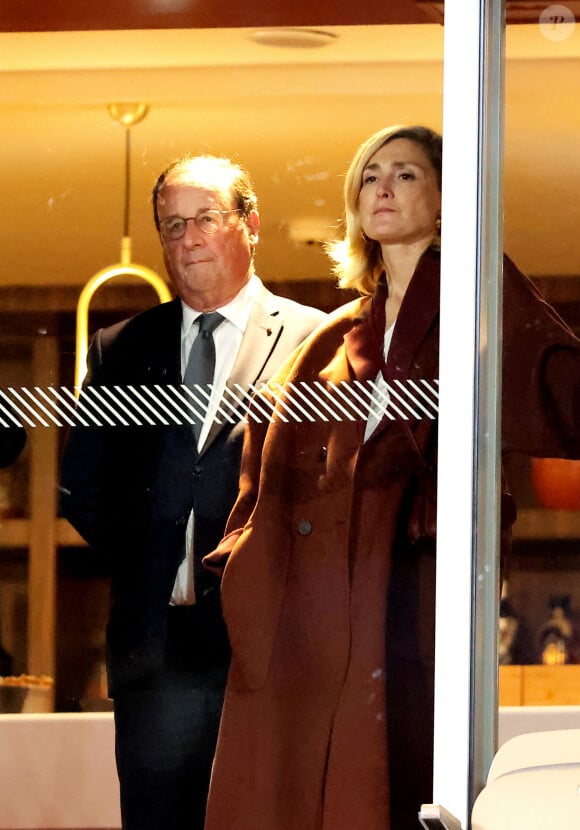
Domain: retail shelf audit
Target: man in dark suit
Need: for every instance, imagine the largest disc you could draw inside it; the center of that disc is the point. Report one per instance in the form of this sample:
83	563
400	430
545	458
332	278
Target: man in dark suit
155	499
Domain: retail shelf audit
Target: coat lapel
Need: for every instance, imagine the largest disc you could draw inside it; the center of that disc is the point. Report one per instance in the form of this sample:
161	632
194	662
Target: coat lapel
363	350
408	355
419	311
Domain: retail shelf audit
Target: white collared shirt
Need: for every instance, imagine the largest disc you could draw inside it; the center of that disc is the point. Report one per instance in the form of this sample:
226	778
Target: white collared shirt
381	397
227	338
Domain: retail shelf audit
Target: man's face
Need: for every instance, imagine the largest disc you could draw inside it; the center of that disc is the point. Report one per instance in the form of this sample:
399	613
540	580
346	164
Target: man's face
207	270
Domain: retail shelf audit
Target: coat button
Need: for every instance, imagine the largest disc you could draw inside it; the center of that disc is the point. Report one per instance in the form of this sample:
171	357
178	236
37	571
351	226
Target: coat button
197	471
304	527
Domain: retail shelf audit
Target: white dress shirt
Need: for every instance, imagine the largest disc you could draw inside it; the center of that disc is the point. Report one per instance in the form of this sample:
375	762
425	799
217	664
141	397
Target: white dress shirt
381	396
227	338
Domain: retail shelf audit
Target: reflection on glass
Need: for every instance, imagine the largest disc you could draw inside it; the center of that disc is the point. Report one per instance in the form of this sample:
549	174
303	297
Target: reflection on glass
296	126
544	560
295	131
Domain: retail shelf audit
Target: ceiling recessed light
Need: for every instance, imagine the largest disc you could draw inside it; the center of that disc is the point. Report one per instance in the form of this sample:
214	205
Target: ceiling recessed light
288	38
311	230
168	6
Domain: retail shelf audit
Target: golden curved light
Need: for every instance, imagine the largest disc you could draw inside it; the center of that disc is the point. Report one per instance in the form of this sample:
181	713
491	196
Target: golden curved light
126	114
126	268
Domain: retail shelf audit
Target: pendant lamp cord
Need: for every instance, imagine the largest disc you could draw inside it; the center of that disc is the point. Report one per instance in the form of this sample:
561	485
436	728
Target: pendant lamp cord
127	180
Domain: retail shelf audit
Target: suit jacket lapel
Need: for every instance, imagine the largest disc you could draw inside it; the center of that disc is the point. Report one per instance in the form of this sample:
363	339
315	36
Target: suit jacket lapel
262	332
264	327
162	353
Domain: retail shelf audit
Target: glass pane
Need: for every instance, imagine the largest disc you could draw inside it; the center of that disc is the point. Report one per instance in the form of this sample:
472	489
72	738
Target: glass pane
543	595
540	419
293	116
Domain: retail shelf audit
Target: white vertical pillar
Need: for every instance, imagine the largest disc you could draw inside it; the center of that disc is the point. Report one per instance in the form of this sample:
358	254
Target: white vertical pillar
468	481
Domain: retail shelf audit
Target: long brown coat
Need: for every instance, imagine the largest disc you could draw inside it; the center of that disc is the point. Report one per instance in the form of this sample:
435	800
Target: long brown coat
327	723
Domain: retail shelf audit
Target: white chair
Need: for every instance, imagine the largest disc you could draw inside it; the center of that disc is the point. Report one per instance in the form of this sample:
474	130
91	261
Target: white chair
533	784
58	771
517	720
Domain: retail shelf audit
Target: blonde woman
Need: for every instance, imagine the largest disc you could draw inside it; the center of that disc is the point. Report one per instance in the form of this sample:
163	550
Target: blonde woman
328	588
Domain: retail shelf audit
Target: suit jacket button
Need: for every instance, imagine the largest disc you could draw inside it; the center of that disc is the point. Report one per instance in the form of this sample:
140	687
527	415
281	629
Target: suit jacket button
197	472
304	527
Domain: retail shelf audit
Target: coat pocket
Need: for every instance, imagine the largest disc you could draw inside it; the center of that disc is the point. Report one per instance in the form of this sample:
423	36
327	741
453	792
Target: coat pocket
253	587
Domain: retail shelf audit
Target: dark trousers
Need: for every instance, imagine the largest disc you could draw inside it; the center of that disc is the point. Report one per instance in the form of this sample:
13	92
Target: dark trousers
165	735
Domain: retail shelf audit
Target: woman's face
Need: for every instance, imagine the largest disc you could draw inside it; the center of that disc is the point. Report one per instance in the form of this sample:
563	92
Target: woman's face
400	200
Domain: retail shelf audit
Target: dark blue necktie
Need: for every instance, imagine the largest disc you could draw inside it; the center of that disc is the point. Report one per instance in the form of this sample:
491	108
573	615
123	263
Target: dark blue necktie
201	362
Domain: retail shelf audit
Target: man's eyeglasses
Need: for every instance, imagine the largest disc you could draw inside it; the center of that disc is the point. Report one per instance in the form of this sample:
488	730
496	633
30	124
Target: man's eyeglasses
209	221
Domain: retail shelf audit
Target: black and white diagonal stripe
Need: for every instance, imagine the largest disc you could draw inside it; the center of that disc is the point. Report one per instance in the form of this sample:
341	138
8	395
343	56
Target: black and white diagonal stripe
135	406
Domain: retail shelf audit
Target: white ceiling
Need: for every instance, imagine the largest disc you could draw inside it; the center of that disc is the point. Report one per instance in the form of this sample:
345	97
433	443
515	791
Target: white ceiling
292	116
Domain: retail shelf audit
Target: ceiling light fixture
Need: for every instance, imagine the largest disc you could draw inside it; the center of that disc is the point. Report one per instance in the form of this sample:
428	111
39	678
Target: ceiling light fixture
292	38
126	114
309	230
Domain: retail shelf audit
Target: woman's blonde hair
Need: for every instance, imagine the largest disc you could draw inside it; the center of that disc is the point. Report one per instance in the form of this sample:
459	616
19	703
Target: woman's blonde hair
357	259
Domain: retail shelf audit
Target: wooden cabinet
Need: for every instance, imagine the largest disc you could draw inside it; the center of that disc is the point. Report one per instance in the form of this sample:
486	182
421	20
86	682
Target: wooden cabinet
40	533
36	352
539	685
